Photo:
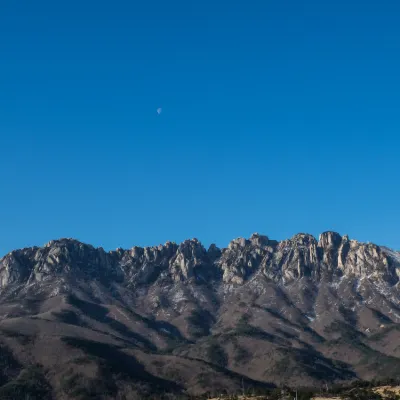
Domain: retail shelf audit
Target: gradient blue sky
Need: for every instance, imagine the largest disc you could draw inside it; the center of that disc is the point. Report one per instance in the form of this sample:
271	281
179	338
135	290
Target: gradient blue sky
278	117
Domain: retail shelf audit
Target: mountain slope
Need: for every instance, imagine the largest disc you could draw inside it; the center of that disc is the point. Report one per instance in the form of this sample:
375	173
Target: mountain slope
183	319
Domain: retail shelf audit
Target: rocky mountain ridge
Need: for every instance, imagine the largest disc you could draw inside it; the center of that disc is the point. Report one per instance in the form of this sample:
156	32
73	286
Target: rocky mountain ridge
332	256
300	311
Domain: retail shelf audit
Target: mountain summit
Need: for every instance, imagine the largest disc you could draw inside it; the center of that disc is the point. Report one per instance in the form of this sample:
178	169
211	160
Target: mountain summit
186	319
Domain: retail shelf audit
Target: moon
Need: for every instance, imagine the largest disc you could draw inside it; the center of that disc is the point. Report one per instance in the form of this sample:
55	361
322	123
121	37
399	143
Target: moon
159	110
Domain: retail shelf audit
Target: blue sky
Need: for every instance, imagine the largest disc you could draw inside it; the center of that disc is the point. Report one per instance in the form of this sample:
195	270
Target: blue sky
278	117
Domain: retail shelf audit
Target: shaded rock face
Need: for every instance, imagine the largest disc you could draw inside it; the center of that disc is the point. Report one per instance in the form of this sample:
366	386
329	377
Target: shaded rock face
302	256
144	265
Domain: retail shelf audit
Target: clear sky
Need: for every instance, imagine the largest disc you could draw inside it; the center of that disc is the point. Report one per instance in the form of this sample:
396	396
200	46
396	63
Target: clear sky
277	117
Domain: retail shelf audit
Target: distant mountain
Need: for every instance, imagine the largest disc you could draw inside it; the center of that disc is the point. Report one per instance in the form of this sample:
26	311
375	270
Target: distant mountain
78	322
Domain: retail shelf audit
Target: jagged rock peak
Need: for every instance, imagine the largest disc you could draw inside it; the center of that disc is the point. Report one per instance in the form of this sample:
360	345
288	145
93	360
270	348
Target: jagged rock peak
238	242
259	240
214	252
304	239
66	242
190	243
255	240
329	239
243	257
190	255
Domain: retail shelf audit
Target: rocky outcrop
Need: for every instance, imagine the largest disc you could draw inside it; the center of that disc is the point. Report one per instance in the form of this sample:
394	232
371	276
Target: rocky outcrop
366	261
144	265
295	258
190	261
302	256
15	268
243	257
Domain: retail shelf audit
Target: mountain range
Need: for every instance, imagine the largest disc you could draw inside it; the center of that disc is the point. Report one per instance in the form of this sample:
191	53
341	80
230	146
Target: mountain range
79	322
